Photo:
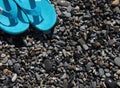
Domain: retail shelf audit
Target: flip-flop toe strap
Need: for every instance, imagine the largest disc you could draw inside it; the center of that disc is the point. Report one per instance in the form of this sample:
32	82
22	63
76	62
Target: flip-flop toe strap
34	11
11	16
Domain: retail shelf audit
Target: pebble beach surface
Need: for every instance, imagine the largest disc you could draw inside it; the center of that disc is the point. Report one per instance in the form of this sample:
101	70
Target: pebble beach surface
81	51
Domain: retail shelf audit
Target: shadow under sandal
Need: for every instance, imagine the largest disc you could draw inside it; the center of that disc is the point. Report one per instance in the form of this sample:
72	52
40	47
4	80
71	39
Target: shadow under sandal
41	13
12	19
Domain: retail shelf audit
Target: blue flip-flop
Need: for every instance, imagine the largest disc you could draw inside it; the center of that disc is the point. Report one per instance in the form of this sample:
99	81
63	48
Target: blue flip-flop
41	13
12	19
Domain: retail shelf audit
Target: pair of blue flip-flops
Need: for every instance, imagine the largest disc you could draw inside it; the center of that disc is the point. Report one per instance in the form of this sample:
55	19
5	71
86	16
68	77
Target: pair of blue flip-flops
16	15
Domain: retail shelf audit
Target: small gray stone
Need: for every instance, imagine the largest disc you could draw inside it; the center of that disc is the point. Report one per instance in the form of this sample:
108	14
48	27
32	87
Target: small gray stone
110	83
37	76
69	8
61	43
85	47
10	62
63	3
79	48
89	65
93	85
64	52
44	54
62	29
17	68
67	14
117	61
111	41
48	65
14	77
101	72
107	70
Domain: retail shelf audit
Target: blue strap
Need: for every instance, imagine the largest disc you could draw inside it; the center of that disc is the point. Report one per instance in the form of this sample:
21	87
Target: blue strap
34	11
10	14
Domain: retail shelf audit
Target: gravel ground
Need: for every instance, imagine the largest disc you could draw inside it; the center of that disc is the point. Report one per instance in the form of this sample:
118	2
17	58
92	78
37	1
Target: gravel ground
81	51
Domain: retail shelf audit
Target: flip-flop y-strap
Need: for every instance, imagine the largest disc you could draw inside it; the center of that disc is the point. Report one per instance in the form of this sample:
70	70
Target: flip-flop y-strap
41	13
10	13
12	19
33	10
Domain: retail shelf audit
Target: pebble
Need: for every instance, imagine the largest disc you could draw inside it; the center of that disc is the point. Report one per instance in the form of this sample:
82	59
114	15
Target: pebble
37	76
48	65
63	3
69	8
5	59
115	2
117	61
1	64
3	55
65	83
89	65
118	83
110	83
85	47
107	74
93	84
64	52
17	67
14	77
10	62
77	8
118	72
67	14
61	43
101	72
111	41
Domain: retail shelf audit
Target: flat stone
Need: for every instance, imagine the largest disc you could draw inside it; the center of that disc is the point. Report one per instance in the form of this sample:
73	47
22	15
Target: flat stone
117	61
63	3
